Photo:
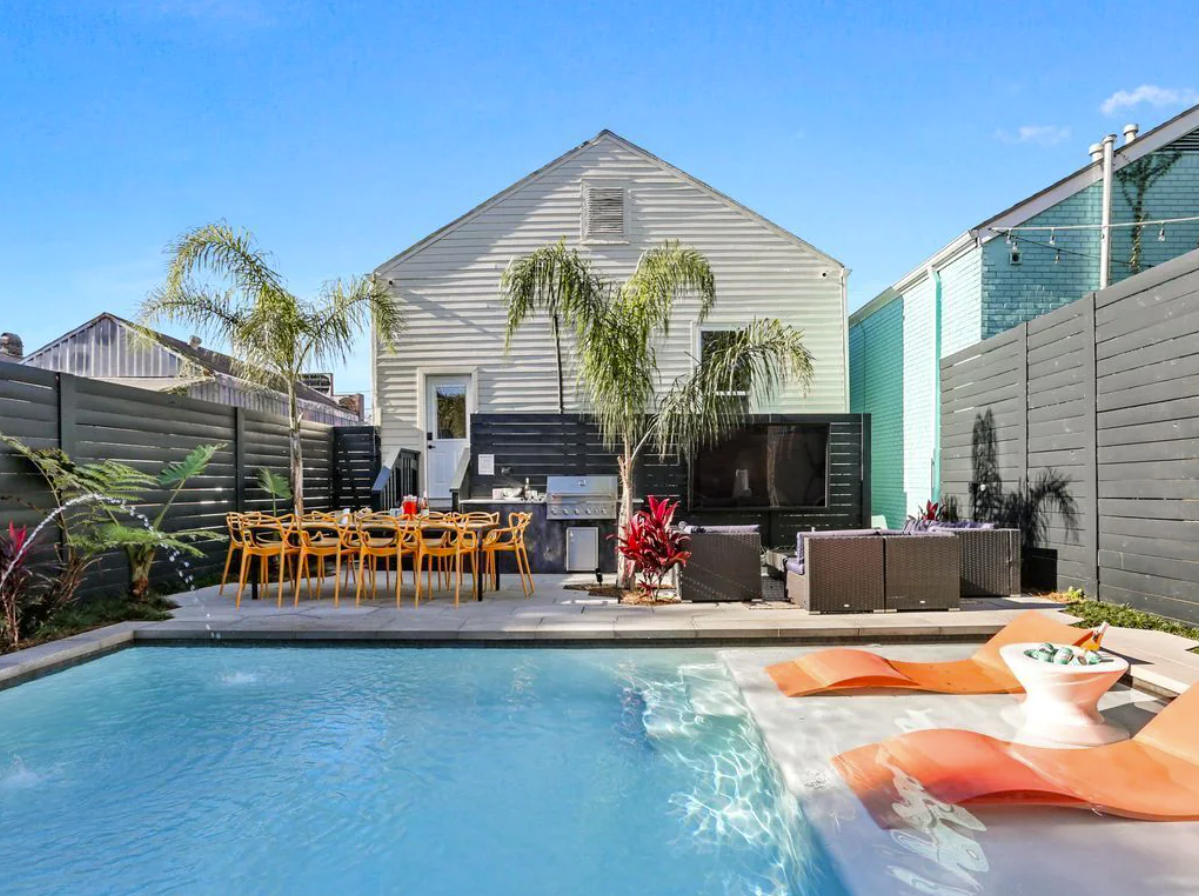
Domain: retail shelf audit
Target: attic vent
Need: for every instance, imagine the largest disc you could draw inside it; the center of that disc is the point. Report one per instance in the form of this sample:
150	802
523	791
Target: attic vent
603	213
1187	143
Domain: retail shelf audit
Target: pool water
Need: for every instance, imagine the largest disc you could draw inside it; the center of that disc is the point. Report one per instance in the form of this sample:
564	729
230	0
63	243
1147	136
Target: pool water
254	770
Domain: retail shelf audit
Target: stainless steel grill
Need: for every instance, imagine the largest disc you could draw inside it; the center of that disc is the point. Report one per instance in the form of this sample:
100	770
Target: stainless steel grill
580	497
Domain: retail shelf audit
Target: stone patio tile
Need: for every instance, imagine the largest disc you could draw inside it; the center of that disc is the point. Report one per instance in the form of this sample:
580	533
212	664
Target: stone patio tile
654	627
560	629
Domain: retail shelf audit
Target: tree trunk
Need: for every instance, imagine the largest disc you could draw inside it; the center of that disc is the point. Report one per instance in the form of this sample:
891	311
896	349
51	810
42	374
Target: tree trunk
626	575
558	358
296	453
141	558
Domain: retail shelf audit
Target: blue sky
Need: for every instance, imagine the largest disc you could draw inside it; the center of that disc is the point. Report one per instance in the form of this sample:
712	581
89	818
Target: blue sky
340	133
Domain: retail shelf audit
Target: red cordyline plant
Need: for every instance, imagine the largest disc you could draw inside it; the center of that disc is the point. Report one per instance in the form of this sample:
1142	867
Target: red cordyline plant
932	511
15	575
649	542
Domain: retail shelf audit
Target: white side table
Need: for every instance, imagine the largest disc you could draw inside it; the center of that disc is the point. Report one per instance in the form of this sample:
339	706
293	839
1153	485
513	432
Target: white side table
1060	707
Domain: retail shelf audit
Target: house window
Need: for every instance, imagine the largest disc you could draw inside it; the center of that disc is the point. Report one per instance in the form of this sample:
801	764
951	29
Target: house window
715	340
603	213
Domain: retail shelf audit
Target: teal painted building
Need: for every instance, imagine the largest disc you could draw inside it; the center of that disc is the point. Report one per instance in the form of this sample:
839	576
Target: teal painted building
992	278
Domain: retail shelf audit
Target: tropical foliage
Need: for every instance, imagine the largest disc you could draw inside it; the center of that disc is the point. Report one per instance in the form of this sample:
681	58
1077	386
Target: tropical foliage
618	328
221	284
111	521
275	486
652	545
30	598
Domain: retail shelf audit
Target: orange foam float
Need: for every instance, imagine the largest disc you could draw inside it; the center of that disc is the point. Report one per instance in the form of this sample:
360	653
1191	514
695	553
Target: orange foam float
844	668
1153	777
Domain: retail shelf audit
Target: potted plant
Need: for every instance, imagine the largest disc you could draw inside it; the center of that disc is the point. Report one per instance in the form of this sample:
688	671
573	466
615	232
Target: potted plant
653	546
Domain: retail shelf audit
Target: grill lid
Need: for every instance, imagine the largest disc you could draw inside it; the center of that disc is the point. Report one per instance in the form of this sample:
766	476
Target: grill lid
571	486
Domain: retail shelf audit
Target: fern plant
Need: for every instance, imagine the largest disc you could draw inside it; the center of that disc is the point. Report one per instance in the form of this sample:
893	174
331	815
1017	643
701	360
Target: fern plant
91	529
142	546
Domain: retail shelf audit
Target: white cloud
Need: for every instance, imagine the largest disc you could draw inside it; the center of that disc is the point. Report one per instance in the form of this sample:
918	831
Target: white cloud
1037	134
1151	94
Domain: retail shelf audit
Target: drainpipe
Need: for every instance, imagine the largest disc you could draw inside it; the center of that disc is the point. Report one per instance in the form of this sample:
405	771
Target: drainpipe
845	333
1105	233
934	277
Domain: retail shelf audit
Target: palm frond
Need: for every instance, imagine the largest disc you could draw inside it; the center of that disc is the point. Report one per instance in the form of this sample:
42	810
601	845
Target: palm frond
556	281
346	308
664	274
751	366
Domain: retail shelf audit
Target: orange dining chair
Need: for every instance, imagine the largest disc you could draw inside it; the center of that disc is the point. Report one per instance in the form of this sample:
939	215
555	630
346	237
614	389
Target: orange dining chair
510	540
233	522
445	542
320	538
378	538
264	538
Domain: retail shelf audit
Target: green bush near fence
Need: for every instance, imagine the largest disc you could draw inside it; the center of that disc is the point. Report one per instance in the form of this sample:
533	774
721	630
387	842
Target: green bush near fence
1093	612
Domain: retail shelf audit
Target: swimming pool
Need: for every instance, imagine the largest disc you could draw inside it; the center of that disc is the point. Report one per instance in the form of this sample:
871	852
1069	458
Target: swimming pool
256	770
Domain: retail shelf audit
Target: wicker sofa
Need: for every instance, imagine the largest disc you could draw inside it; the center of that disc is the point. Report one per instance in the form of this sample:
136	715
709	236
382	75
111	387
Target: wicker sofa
874	570
725	564
991	558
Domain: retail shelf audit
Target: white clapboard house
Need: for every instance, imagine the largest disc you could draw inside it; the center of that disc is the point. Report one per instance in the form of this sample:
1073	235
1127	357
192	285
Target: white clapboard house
613	200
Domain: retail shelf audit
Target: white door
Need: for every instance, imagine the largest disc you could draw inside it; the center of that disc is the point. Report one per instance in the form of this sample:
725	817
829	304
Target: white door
446	415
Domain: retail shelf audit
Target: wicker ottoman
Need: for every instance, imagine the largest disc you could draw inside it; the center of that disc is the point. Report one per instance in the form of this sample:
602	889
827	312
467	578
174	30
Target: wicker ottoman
922	572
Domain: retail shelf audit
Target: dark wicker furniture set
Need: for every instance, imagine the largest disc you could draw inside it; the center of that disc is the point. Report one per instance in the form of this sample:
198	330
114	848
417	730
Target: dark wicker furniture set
878	570
924	567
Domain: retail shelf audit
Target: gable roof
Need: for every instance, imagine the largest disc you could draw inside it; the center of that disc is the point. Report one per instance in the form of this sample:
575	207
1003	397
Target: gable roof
1152	140
605	134
205	358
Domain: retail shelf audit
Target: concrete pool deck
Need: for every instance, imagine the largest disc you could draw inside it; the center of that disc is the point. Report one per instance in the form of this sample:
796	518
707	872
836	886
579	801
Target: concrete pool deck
947	850
557	614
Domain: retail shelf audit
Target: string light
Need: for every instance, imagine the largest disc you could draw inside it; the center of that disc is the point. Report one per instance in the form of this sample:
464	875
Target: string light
1057	257
1161	234
1053	237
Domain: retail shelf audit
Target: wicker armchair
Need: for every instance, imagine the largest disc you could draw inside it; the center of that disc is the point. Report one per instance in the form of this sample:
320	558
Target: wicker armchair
991	561
838	573
922	572
725	564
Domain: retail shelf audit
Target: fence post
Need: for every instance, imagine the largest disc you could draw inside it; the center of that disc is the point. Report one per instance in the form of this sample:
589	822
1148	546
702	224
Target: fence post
68	406
239	459
1090	520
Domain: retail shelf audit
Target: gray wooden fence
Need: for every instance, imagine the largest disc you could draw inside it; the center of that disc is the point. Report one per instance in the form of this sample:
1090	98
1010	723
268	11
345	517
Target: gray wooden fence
93	421
1098	400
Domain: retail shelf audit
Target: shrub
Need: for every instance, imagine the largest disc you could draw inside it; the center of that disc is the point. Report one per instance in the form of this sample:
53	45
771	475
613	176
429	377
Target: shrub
651	545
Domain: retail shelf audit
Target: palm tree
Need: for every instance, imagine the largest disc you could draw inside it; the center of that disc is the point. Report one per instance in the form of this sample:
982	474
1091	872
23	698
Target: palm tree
617	328
274	334
555	281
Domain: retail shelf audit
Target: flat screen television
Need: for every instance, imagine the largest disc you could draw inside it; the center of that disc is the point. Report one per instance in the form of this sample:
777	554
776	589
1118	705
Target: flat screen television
764	466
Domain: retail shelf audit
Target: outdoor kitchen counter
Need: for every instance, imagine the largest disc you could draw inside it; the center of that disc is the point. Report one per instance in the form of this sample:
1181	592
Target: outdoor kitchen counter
546	538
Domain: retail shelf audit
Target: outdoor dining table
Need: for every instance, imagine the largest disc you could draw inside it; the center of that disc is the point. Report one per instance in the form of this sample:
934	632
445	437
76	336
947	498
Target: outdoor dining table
480	528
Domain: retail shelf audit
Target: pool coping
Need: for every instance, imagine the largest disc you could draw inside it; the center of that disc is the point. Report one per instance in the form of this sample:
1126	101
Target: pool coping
1148	672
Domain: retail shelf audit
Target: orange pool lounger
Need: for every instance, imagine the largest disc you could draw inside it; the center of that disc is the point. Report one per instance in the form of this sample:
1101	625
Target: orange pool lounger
844	668
1153	777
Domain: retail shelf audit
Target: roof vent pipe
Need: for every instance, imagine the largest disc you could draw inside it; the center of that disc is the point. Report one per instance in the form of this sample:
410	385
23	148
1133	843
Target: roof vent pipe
1096	151
194	342
1130	132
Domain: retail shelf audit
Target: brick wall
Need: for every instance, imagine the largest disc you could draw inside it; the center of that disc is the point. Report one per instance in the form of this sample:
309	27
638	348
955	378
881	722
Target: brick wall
1042	280
1175	194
